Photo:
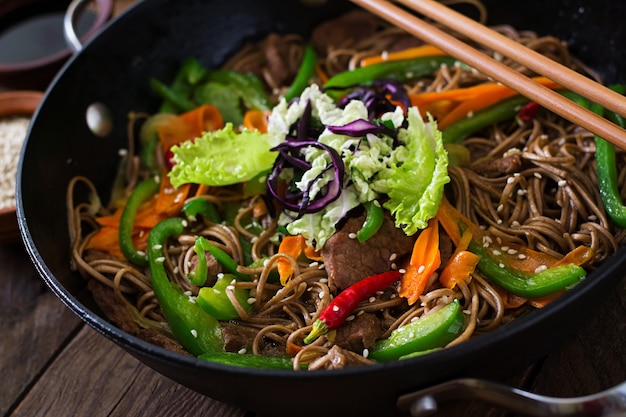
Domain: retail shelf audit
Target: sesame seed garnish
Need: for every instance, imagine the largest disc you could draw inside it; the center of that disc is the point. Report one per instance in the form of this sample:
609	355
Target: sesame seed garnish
157	247
141	253
352	235
194	332
335	308
393	257
251	300
501	265
562	183
371	299
538	175
540	268
242	351
185	223
366	353
160	259
496	252
350	317
402	271
321	294
216	291
521	256
421	269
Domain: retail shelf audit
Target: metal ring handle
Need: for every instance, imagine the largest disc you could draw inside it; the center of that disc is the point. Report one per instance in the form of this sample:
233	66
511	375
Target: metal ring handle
609	403
72	14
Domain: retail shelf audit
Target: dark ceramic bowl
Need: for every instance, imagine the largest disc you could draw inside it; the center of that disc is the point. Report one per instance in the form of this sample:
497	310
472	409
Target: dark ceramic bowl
32	51
151	40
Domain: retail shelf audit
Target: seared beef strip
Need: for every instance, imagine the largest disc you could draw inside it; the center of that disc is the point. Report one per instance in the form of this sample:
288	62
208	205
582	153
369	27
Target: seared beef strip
360	333
348	261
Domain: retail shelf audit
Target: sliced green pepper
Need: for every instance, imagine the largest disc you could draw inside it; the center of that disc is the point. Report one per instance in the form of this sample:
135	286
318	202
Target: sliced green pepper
305	73
430	332
144	190
606	167
224	259
373	220
250	361
177	99
541	284
222	97
249	87
197	206
401	70
504	110
194	329
216	303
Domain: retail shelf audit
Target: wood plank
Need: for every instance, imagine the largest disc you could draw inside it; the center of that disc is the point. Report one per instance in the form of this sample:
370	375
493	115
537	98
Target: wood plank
93	377
33	322
594	359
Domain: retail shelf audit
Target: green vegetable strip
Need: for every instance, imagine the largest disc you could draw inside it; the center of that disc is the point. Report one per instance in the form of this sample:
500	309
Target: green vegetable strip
177	99
203	207
198	332
373	221
305	73
400	70
141	193
606	166
504	110
223	258
542	284
250	88
250	361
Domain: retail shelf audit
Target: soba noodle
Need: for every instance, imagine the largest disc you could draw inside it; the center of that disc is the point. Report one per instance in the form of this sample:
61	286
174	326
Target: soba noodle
551	205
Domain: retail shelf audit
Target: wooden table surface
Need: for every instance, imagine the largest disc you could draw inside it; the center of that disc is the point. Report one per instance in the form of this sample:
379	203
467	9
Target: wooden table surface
51	364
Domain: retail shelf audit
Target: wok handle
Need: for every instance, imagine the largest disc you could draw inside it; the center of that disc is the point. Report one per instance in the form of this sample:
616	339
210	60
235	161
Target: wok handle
71	16
609	403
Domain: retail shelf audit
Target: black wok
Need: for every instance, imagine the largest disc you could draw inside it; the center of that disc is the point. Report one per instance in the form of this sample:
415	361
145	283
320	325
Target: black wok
151	40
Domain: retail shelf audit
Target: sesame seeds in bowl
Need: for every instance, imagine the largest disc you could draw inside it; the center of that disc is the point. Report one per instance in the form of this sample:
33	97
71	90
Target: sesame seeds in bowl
16	109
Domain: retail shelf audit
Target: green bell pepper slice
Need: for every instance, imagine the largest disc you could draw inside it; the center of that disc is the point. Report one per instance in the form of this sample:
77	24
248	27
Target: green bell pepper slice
433	331
194	329
216	303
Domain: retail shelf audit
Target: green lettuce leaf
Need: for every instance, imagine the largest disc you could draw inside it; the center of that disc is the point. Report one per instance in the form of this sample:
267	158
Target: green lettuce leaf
416	186
222	157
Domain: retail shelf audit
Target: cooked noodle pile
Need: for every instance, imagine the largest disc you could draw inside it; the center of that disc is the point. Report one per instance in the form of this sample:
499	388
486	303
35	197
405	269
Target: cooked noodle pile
548	202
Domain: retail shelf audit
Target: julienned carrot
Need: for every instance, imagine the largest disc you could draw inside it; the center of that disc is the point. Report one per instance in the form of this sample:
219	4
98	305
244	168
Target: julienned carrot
256	120
409	53
189	125
293	246
464	101
425	259
170	200
461	264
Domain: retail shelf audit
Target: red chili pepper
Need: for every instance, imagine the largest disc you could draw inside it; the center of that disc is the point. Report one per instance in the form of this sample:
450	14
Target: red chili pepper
343	304
529	111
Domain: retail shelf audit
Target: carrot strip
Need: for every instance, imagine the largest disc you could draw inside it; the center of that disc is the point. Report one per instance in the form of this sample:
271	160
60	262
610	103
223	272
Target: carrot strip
256	120
498	93
189	125
461	265
170	200
425	259
290	245
410	53
321	73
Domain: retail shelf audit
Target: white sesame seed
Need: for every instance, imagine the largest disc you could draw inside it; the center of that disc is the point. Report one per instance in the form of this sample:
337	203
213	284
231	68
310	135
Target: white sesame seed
352	235
160	259
313	264
376	203
501	265
350	317
188	293
421	269
194	332
242	351
220	275
562	183
230	287
393	257
122	152
500	208
157	247
538	175
511	251
141	253
510	180
335	308
251	300
321	294
371	299
185	223
521	256
496	252
366	353
216	291
402	271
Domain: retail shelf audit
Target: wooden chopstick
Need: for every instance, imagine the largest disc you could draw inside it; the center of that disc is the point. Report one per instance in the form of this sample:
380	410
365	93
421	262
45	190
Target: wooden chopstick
498	71
541	64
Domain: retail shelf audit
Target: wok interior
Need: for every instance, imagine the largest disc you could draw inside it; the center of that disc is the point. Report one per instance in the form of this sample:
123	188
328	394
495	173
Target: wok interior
151	40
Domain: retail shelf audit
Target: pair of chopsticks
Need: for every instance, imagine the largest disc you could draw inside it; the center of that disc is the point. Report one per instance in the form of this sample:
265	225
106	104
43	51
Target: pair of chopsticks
544	96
